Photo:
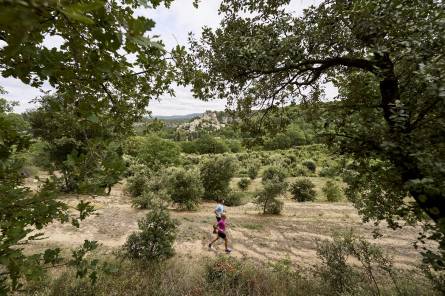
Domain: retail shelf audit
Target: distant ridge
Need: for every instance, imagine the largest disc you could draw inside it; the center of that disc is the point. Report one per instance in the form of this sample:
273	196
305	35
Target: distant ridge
176	117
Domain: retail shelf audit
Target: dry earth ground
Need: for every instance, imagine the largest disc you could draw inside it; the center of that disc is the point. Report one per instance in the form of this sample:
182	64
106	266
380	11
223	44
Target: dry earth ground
292	235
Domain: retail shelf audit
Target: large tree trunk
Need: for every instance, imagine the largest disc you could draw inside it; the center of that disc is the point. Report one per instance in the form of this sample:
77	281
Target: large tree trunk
432	202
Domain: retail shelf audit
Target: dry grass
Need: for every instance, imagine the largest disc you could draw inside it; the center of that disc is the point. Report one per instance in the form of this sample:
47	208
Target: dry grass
292	234
223	275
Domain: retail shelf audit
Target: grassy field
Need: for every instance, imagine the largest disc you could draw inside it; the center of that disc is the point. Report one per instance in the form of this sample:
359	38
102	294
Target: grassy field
292	235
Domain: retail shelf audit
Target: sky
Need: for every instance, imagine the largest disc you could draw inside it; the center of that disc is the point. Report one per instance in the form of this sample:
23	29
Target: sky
173	25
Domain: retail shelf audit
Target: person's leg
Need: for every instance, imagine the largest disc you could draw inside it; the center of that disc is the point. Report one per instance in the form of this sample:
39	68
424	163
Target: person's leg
211	243
225	243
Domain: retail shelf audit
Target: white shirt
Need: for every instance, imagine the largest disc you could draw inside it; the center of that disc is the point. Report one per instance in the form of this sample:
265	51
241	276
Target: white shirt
219	210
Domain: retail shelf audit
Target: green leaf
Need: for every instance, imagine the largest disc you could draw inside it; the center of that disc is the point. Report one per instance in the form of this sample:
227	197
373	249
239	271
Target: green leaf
74	15
77	11
93	118
147	43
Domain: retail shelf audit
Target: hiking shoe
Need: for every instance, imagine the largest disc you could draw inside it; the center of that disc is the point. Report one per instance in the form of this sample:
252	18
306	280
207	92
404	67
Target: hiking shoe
210	246
228	251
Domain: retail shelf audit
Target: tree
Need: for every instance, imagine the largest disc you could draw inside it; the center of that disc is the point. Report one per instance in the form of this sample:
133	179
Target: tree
207	144
216	173
266	199
86	151
93	78
153	126
274	173
154	241
153	151
185	188
332	191
303	190
97	84
386	58
23	211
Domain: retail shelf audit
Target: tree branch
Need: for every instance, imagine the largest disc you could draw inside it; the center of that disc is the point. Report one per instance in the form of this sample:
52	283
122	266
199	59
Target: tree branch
310	65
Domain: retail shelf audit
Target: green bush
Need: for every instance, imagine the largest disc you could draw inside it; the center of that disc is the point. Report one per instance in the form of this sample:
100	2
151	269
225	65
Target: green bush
328	171
189	147
40	156
154	241
274	172
234	146
273	207
310	164
244	183
149	199
341	277
266	199
216	174
210	145
253	169
137	184
332	191
153	151
185	188
147	188
303	190
298	170
235	198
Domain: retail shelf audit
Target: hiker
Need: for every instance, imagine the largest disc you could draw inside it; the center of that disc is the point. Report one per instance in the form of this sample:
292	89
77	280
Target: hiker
221	233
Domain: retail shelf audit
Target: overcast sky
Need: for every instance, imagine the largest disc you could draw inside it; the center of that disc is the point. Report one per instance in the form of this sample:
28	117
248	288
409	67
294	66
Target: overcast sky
173	26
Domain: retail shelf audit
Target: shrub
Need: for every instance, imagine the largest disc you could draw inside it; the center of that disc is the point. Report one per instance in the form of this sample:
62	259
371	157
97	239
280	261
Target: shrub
40	156
154	241
341	277
273	207
216	174
234	145
298	170
188	147
328	172
185	188
335	271
153	151
252	170
149	199
137	184
292	158
234	199
332	191
210	145
274	172
266	199
147	188
244	183
310	164
303	190
279	141
223	271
